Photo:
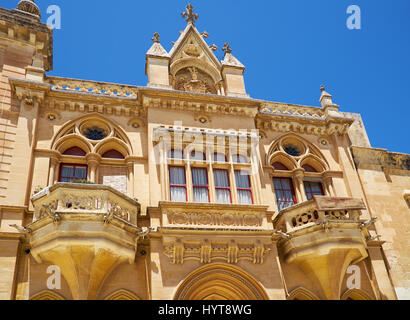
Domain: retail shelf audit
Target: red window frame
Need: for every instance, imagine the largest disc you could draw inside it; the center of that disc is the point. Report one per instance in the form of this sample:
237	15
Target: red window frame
229	185
177	185
60	175
282	190
310	193
245	189
198	186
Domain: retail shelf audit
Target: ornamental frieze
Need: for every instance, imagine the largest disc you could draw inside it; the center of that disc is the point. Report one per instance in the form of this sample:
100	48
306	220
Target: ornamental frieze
213	216
207	252
215	219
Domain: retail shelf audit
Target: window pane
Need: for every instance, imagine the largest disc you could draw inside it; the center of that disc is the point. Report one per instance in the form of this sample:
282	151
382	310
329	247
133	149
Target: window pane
285	196
175	154
67	171
178	194
288	196
277	184
177	176
201	195
223	196
221	178
242	181
286	184
315	186
239	158
284	205
197	155
199	177
219	157
244	197
313	189
80	173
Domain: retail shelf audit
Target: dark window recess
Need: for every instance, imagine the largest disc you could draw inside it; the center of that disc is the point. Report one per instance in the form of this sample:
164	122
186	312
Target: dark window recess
113	154
95	133
279	166
292	150
75	151
309	168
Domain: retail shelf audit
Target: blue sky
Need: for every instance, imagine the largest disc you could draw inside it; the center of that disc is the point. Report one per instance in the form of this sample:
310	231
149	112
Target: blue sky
289	49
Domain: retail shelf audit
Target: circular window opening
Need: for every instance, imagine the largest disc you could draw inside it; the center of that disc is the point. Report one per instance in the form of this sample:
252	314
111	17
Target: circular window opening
292	150
95	133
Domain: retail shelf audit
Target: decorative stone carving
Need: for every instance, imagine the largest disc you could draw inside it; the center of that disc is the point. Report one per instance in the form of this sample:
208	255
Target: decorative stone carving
215	219
207	252
192	79
190	16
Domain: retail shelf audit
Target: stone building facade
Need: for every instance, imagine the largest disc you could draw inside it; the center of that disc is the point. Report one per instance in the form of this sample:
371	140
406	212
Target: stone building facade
187	188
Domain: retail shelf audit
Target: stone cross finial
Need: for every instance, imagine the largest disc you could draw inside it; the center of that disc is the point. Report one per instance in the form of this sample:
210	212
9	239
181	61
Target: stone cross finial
190	16
156	37
227	48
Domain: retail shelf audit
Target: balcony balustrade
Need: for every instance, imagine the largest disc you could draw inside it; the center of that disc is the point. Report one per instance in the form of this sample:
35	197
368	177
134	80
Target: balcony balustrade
86	230
323	237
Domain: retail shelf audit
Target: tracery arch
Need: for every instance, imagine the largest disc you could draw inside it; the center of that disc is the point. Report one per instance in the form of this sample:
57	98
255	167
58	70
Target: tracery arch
47	295
299	171
93	122
355	294
222	282
105	159
302	294
122	295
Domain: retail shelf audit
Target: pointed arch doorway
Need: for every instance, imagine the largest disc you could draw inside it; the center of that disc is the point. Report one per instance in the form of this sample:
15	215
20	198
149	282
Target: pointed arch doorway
220	281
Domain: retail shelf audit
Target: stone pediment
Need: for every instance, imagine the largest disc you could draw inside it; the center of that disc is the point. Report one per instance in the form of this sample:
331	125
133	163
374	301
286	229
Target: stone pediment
191	50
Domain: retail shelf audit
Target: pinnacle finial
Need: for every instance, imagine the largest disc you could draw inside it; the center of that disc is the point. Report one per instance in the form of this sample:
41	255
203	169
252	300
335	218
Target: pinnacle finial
155	39
322	88
214	47
190	16
227	48
205	34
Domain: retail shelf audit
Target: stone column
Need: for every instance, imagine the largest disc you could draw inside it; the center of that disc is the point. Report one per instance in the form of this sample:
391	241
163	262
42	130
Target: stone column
327	182
53	170
298	176
93	161
130	174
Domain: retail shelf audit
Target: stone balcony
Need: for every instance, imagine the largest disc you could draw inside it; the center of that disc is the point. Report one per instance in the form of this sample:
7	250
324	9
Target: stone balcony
323	237
86	230
210	232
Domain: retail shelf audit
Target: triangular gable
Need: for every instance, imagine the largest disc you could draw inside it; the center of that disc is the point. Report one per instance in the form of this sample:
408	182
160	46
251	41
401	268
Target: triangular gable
191	44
